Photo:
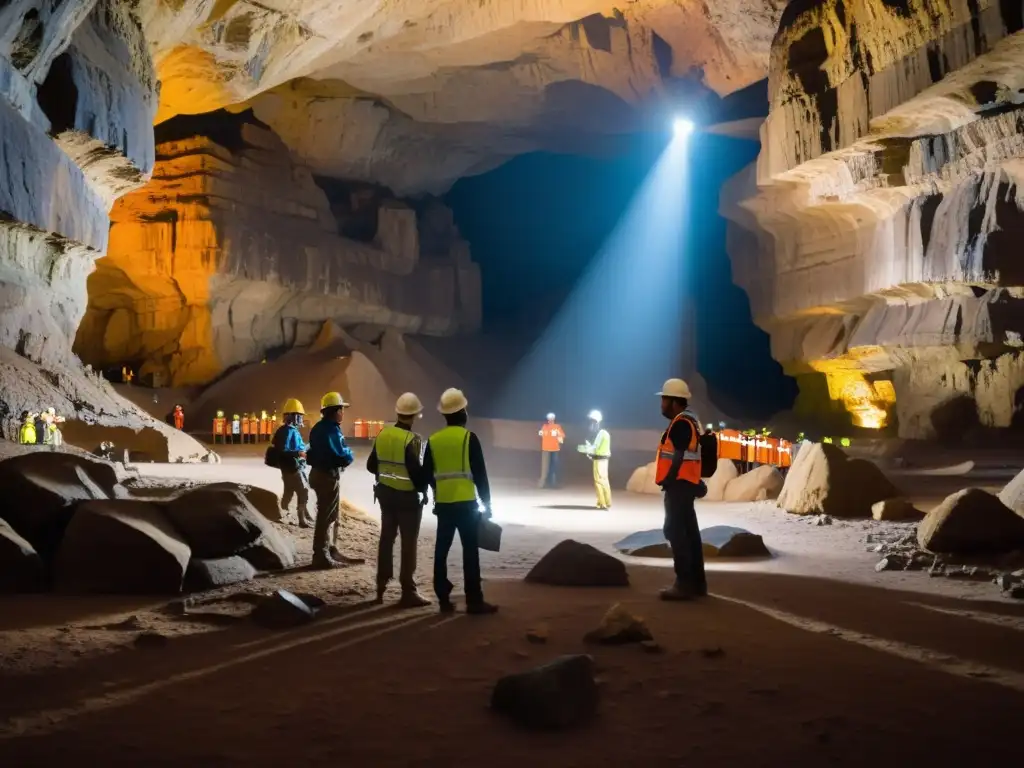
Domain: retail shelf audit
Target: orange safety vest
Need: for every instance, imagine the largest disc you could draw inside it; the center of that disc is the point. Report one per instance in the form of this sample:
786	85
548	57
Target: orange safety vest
689	468
219	426
549	435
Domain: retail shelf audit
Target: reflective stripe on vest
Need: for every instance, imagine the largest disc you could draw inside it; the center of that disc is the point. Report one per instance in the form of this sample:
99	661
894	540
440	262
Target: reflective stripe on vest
449	449
690	466
390	446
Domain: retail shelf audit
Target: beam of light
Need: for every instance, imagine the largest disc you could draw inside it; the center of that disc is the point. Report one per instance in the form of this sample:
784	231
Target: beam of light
682	127
623	329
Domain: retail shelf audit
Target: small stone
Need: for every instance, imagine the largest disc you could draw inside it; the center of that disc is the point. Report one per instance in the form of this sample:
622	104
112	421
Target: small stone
651	646
823	520
282	610
1017	592
619	626
891	563
538	635
712	653
560	694
521	655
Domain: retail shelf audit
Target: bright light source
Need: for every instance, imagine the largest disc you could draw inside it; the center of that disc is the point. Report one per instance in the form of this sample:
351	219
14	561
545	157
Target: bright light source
682	126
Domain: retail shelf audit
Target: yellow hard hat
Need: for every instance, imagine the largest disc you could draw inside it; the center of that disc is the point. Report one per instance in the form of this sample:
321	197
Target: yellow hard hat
220	414
675	388
291	405
333	400
452	401
408	405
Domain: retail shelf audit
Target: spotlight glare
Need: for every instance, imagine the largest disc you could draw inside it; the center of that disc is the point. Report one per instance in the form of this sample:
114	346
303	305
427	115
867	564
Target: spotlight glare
682	126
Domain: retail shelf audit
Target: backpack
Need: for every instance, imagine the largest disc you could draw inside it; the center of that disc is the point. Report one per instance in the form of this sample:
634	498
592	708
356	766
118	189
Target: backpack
708	443
272	458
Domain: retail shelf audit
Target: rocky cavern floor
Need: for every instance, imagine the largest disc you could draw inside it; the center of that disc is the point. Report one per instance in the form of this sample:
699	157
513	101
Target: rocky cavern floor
809	657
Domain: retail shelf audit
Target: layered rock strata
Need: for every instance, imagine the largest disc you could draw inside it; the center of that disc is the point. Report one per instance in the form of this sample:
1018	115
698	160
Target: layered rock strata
233	252
78	95
877	234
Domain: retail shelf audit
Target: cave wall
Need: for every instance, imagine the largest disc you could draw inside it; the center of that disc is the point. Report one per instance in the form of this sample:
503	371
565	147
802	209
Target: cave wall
233	251
877	234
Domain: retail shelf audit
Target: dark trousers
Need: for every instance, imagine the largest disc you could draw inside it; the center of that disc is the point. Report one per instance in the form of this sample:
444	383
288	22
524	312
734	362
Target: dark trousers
683	535
463	517
549	469
400	513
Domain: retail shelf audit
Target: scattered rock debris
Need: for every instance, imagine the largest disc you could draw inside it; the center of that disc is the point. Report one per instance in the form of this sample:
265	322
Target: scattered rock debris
618	626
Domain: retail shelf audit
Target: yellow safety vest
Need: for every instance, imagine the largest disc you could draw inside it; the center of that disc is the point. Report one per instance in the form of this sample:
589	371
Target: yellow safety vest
390	447
449	448
27	435
602	445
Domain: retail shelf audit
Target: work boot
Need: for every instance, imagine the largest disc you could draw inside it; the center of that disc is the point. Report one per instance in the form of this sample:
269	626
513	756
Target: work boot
325	563
446	606
481	609
676	593
413	599
345	559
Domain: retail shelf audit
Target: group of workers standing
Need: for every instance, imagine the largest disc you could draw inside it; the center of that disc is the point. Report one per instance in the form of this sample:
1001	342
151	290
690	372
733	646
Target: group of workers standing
597	448
450	462
41	428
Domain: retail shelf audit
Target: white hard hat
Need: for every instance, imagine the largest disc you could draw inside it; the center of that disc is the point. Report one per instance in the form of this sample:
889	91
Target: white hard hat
408	405
452	401
675	388
595	416
551	417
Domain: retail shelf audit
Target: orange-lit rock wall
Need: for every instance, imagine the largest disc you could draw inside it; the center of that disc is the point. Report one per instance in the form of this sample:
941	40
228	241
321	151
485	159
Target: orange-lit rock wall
229	254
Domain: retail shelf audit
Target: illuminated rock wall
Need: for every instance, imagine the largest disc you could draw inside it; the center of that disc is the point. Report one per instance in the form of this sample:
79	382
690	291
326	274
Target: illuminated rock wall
878	234
233	251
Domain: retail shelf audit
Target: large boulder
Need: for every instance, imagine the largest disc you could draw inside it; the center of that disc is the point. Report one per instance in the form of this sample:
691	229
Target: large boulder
210	574
895	509
724	474
560	694
267	503
1013	494
971	521
40	490
729	541
272	551
120	547
572	564
825	481
758	484
650	543
21	568
216	522
642	480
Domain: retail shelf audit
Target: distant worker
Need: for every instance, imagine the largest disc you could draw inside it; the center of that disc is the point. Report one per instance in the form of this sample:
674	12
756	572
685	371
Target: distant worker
179	418
236	428
551	439
328	456
52	435
27	433
291	452
401	491
599	450
454	466
678	473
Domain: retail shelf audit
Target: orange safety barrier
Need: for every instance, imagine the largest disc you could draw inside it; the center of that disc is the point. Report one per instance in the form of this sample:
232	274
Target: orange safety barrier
245	427
220	426
375	428
359	429
730	444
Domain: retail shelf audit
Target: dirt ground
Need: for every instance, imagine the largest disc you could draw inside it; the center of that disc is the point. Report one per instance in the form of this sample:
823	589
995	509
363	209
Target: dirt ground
810	656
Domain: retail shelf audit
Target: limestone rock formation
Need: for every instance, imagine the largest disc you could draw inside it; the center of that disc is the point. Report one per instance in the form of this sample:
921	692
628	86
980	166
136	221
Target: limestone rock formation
727	541
724	474
758	484
877	234
219	572
971	521
215	523
415	94
233	252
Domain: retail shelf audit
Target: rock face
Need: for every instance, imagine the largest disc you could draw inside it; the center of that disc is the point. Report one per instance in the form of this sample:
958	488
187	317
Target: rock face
120	547
572	564
877	234
215	523
970	522
825	481
233	251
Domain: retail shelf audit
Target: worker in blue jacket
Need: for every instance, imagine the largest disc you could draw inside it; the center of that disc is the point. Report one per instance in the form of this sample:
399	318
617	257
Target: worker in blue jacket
291	450
328	456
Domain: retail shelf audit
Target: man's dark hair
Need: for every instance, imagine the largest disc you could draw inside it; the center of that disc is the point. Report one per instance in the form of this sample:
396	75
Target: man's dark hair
457	419
680	401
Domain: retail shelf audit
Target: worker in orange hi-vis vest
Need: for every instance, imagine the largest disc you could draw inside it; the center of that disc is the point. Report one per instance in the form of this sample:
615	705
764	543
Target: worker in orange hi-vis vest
179	418
551	439
679	475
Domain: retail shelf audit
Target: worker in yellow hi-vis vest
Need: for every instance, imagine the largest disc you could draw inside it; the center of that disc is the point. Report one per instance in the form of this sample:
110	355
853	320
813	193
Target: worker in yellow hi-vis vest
454	464
599	450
